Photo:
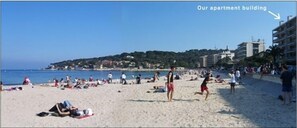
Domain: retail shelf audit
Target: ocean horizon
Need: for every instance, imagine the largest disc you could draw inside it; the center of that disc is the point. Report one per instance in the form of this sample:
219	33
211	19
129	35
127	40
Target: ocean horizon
39	76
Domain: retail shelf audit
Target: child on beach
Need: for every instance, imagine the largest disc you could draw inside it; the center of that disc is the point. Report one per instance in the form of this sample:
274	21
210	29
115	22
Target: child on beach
232	82
203	86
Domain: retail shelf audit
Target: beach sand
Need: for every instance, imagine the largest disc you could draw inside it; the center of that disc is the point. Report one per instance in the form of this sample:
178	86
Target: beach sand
134	107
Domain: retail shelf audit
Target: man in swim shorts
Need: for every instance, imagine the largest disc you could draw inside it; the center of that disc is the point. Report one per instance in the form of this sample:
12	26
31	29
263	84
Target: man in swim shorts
203	86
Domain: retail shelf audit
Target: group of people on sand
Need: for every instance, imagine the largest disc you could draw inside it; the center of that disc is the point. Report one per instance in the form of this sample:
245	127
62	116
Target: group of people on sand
78	82
234	75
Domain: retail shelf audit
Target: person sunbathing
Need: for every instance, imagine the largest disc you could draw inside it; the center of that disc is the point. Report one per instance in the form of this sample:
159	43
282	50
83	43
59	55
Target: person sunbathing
160	89
220	80
192	79
61	110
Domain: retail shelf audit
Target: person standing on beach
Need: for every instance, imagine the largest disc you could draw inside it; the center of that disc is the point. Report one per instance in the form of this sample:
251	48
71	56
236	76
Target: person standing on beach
109	77
67	79
56	82
138	79
91	78
1	86
170	86
203	86
286	78
237	75
124	78
232	82
27	81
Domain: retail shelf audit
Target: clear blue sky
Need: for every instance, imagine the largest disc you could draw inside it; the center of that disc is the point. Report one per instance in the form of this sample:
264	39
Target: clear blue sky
35	34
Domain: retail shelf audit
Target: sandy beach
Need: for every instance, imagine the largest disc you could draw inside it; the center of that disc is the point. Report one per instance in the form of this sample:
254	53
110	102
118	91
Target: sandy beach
134	107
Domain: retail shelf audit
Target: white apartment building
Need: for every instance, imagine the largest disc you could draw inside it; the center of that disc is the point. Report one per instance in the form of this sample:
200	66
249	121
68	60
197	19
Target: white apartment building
247	49
203	61
212	59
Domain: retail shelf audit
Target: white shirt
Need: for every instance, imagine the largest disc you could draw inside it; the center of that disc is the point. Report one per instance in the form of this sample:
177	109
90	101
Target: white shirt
272	72
123	76
109	75
237	73
232	78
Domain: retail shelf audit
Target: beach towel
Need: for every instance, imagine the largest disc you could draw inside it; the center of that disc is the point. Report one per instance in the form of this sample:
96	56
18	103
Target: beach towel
84	116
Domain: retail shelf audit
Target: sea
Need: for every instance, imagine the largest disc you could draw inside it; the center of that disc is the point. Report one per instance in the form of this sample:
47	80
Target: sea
16	77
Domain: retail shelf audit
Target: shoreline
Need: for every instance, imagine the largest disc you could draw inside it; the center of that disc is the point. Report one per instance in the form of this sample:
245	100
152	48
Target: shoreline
98	74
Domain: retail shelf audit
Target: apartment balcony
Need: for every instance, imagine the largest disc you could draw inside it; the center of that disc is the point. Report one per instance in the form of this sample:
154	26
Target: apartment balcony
291	43
241	52
242	49
279	28
291	27
288	51
278	40
291	58
256	49
291	34
275	33
281	32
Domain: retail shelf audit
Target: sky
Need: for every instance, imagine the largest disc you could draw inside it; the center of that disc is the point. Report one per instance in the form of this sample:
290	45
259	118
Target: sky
35	34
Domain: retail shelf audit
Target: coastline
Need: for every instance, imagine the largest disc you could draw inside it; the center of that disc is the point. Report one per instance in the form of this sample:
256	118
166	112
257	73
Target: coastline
119	69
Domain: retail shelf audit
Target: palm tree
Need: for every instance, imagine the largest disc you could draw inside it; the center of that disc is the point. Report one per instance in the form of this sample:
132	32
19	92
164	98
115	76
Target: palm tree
275	52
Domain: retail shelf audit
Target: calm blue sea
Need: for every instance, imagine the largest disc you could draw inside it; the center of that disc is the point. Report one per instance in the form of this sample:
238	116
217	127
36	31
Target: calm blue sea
13	77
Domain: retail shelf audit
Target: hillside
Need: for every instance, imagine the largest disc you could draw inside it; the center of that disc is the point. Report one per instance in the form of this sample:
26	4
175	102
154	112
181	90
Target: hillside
146	60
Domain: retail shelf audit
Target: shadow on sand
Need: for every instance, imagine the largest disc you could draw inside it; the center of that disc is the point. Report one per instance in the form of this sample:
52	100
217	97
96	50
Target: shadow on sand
182	100
147	100
260	108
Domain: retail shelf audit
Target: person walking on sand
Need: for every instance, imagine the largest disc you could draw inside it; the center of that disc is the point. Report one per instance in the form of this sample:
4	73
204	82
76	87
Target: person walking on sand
203	86
286	78
170	86
124	78
232	82
109	78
